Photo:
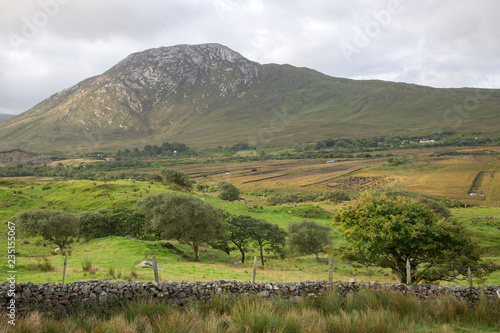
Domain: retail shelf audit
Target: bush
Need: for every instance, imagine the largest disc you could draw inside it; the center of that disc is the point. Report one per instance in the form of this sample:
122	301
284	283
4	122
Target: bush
273	200
46	266
395	161
228	191
176	177
87	264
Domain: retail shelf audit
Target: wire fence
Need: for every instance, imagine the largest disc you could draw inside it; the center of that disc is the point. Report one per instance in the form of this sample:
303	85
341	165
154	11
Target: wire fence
39	270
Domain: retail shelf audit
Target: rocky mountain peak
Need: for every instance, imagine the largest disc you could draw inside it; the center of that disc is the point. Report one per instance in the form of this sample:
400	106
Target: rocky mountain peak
199	55
167	69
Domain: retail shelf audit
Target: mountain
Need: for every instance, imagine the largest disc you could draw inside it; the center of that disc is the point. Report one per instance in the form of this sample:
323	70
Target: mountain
209	95
5	116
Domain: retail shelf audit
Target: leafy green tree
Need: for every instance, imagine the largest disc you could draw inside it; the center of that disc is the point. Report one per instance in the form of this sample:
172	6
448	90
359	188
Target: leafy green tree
239	231
184	217
437	207
240	146
308	237
128	222
94	224
228	191
59	228
176	177
387	231
117	222
268	235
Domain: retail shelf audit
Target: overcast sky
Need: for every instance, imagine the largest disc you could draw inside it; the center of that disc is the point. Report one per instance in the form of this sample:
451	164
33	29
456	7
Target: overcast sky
49	45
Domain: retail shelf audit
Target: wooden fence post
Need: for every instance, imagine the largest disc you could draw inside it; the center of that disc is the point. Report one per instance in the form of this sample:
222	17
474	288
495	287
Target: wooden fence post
254	273
470	277
64	268
408	271
155	268
330	269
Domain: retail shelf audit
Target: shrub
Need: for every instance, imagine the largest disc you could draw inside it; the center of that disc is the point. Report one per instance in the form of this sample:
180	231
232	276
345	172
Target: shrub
87	264
395	161
273	200
228	191
111	272
46	266
176	177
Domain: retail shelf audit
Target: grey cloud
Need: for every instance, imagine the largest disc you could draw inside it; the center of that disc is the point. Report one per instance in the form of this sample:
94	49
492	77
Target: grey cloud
448	43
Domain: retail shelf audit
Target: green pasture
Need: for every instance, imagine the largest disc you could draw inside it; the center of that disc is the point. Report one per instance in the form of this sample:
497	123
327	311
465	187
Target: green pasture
117	257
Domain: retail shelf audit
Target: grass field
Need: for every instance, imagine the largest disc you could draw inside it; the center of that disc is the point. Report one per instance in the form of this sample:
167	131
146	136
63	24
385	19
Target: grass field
115	257
76	196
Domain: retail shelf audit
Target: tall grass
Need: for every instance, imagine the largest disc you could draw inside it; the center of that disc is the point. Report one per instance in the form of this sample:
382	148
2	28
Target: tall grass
364	311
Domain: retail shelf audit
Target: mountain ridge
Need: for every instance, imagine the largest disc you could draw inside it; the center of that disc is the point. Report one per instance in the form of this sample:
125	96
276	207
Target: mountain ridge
209	95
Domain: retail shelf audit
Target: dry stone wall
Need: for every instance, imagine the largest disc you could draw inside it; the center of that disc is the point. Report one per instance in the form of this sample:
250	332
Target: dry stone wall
60	297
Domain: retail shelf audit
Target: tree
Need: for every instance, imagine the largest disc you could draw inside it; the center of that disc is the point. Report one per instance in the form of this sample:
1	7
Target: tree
268	235
308	237
94	224
239	231
228	191
240	146
128	222
184	217
437	207
387	231
59	228
176	177
117	222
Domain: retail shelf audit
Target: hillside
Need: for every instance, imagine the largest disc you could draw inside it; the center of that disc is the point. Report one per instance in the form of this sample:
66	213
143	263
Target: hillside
209	95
